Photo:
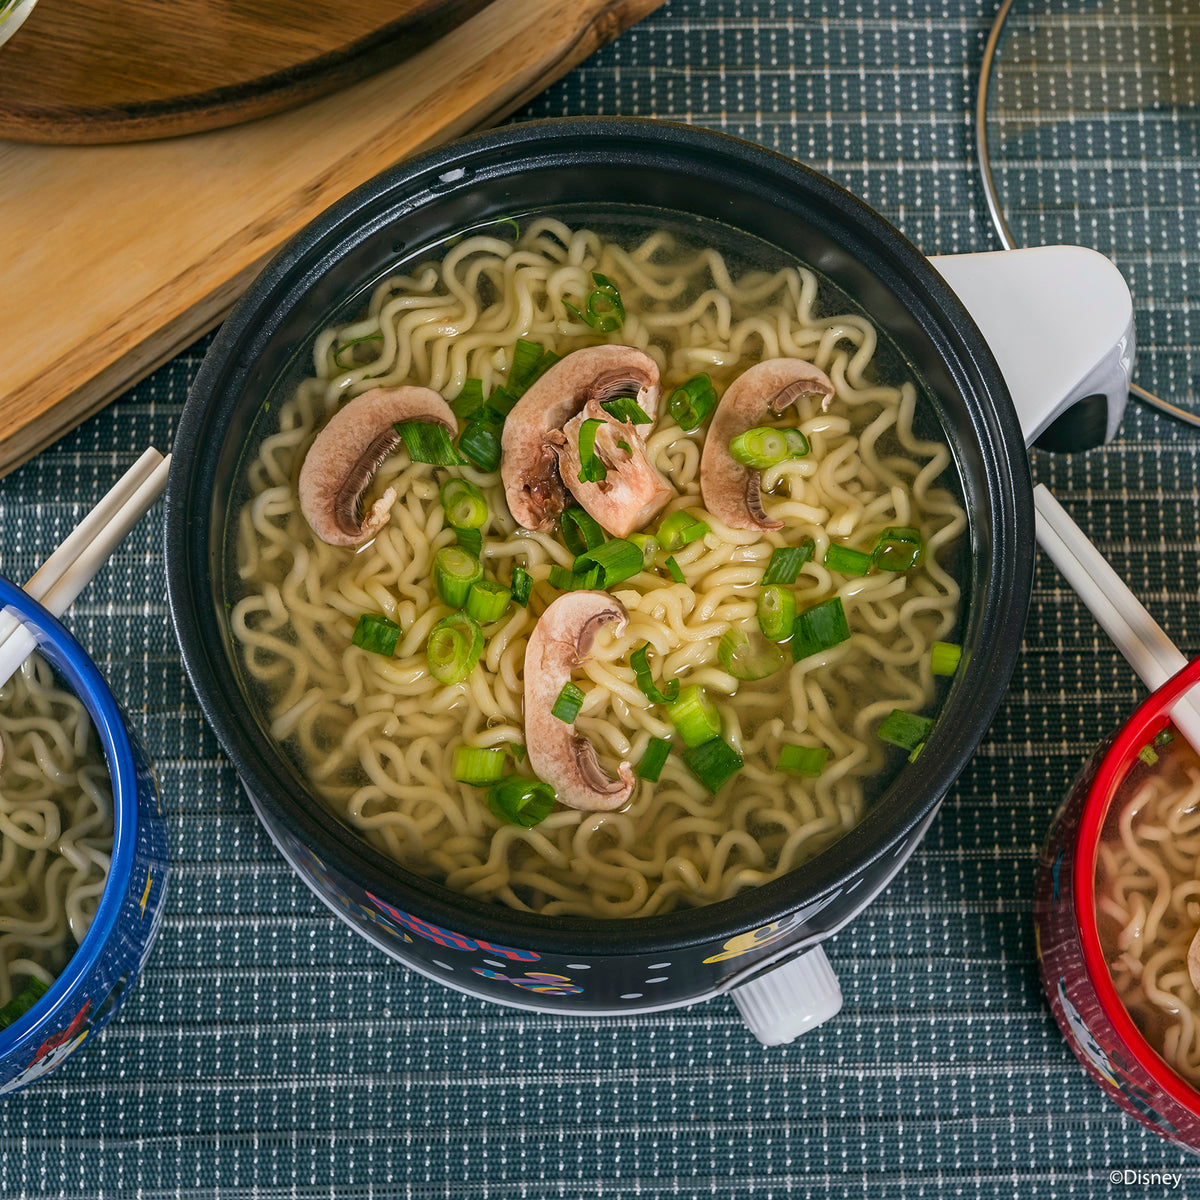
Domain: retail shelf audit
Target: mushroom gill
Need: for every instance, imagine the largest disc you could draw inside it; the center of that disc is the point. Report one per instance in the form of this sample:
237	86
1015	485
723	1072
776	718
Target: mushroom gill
558	755
731	491
347	452
528	465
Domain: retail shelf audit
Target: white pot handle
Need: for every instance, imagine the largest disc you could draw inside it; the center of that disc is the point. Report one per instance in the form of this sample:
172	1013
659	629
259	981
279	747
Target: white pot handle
1059	320
790	999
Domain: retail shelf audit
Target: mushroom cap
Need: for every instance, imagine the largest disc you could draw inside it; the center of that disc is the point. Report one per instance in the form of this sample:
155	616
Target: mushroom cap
528	465
731	491
347	452
558	755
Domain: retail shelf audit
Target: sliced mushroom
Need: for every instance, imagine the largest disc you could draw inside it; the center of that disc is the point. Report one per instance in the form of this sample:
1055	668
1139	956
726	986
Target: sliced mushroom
1193	961
632	493
528	465
559	756
732	491
348	451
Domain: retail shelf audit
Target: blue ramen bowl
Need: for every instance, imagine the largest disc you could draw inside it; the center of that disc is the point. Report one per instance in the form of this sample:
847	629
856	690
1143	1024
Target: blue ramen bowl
90	988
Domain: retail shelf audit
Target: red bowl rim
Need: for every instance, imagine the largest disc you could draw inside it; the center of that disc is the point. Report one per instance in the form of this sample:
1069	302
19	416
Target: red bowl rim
1150	718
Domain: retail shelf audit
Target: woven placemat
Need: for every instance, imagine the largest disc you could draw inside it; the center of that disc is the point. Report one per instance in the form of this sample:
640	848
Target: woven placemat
268	1052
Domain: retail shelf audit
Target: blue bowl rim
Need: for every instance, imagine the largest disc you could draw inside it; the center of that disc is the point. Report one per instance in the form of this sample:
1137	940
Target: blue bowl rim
59	646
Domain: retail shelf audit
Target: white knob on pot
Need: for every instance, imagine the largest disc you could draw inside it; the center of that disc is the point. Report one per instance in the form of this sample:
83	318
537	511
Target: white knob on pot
790	999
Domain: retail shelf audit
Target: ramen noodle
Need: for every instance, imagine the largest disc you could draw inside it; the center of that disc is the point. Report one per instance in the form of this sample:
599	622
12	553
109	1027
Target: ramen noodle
376	735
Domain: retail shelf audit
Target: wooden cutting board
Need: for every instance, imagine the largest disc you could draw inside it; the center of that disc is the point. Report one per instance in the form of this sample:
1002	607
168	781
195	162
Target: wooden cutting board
85	71
113	258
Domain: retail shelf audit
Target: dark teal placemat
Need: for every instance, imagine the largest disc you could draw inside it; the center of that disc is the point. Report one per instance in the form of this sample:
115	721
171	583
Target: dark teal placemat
267	1052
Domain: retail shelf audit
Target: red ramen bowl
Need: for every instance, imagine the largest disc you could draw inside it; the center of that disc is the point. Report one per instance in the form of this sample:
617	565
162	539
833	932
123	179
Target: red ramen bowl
1109	936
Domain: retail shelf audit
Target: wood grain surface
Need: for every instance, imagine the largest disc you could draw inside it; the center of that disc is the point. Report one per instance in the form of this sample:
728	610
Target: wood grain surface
87	71
113	258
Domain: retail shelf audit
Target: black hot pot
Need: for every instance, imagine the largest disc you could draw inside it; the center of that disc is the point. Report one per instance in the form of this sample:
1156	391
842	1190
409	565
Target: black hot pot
763	942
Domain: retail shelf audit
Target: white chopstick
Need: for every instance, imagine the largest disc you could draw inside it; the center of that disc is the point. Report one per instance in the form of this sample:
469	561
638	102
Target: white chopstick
60	579
1139	637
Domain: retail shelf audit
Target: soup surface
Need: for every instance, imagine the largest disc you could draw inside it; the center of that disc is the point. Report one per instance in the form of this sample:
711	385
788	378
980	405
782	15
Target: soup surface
376	734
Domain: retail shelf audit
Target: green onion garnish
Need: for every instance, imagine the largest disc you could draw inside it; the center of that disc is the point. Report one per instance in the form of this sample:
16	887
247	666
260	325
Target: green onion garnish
487	602
522	585
524	369
603	311
639	660
691	403
521	801
1148	755
819	628
454	571
567	580
480	440
802	760
501	401
428	442
747	655
904	729
617	560
652	762
358	341
786	561
517	750
679	529
478	766
944	658
759	448
377	633
776	613
846	561
1164	737
464	504
898	548
797	443
694	716
591	468
570	701
470	540
580	530
469	401
675	570
628	410
647	543
22	1002
714	763
454	646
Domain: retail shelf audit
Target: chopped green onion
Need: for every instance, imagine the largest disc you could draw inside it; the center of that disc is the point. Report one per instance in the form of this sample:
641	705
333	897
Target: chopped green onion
522	585
679	529
501	401
603	311
647	543
454	571
377	633
464	504
470	540
675	570
358	341
1148	755
802	760
517	750
759	448
487	602
1164	737
22	1002
713	762
652	762
786	561
617	560
797	443
626	447
904	729
639	660
567	580
626	409
580	530
691	403
747	655
694	716
898	548
847	561
819	628
591	468
776	613
570	701
469	401
454	646
916	752
480	440
521	801
524	370
944	658
428	442
478	766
